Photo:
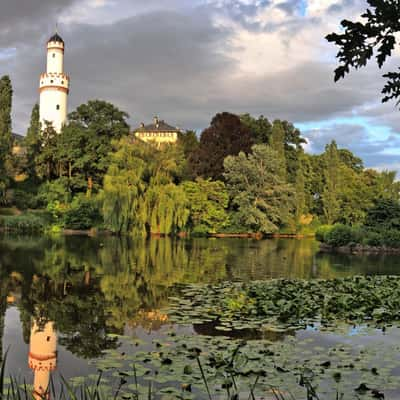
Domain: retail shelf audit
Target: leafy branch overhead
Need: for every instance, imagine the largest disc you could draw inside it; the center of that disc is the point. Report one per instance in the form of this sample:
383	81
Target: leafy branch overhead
375	34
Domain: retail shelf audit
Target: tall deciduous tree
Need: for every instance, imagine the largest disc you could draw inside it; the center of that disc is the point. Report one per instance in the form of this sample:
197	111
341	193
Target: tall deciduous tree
260	128
259	193
139	195
227	135
85	142
6	93
208	202
330	194
32	142
47	166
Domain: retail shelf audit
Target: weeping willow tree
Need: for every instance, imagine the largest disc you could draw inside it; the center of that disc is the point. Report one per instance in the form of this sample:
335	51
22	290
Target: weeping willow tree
167	209
139	194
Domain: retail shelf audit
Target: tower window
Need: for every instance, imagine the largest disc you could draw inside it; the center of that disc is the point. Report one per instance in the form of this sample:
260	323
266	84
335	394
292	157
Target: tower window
54	55
57	106
52	81
62	82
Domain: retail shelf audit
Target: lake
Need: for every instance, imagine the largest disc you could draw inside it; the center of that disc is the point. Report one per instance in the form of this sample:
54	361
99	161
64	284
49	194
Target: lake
85	297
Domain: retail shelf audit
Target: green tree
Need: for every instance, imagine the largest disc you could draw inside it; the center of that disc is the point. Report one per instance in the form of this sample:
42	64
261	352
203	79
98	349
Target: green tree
300	195
6	93
85	143
259	193
47	166
167	209
32	142
260	128
349	159
140	195
376	32
208	205
227	135
330	194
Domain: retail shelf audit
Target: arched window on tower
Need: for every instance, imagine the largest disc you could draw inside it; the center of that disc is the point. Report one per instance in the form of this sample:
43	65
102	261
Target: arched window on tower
57	107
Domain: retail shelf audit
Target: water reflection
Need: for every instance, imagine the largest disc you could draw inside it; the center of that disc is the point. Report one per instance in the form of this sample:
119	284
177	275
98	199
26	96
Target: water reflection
92	288
42	357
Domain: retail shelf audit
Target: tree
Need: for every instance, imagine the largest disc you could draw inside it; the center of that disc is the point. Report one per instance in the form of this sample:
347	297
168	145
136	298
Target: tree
330	194
208	202
32	142
260	128
259	193
84	145
349	159
227	135
277	143
300	195
376	33
140	195
167	209
46	162
6	93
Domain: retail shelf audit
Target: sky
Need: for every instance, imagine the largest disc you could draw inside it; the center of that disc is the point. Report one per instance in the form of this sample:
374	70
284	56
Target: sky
186	60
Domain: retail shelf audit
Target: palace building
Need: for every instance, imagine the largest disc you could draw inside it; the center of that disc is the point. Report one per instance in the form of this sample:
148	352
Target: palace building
54	86
158	132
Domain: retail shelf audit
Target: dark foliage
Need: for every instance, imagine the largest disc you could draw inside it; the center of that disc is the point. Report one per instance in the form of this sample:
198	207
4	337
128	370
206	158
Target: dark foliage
375	34
384	215
227	135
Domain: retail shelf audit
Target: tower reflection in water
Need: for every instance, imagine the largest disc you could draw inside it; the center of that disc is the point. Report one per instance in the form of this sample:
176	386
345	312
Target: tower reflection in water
42	357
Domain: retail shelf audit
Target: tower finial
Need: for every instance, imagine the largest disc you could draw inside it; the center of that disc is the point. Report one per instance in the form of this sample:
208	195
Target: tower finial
57	28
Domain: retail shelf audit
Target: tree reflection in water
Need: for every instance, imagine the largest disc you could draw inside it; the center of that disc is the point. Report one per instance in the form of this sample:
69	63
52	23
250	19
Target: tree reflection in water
93	287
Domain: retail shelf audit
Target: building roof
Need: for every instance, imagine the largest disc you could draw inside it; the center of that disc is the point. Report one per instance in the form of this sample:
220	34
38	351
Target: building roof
56	38
156	126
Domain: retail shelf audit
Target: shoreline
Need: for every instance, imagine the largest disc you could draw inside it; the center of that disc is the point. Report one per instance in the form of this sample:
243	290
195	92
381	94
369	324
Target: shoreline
358	249
95	232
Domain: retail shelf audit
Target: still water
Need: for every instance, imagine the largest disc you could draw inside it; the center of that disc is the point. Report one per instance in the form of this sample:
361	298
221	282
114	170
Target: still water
83	291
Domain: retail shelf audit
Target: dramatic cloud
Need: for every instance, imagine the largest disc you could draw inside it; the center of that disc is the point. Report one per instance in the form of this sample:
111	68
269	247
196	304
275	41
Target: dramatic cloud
186	60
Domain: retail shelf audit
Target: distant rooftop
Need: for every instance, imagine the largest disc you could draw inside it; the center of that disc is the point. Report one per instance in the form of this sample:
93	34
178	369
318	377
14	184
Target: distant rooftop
157	126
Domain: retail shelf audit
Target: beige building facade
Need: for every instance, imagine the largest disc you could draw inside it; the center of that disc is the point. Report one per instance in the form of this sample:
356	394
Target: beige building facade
159	132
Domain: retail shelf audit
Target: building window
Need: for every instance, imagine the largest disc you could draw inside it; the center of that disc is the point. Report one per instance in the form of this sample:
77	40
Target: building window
54	55
57	106
62	82
52	81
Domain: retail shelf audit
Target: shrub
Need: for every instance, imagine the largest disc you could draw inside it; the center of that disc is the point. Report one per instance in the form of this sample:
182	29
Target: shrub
51	192
384	215
23	200
25	223
82	214
322	231
391	238
339	235
373	239
200	231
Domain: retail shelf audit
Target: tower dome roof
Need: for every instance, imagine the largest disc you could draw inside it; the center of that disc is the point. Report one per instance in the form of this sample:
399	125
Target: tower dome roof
56	38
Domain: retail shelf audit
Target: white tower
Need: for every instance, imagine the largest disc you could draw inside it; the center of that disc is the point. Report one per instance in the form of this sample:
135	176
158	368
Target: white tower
54	86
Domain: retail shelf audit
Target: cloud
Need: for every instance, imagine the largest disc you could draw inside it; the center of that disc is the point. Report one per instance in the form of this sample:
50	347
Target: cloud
185	61
22	21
